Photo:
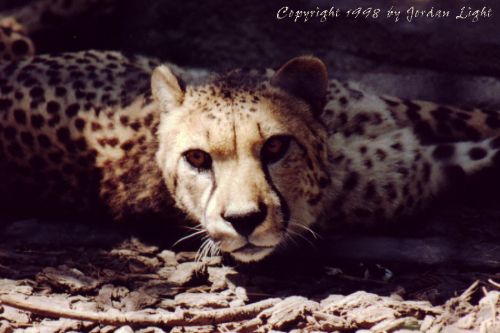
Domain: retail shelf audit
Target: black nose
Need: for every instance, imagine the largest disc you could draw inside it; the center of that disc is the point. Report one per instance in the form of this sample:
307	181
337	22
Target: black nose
246	223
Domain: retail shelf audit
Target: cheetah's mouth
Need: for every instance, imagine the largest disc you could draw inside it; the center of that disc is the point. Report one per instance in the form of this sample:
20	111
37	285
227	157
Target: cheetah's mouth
250	252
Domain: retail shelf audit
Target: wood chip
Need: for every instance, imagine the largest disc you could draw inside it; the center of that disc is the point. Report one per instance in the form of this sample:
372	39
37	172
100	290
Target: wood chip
187	272
200	301
68	278
168	258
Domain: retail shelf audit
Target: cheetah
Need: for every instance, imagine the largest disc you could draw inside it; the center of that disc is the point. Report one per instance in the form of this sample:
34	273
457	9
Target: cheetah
252	157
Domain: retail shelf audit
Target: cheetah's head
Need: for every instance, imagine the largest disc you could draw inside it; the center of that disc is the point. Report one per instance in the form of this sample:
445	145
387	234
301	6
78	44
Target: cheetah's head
245	155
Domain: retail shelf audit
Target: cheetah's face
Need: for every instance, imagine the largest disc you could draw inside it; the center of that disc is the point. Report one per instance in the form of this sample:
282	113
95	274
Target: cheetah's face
245	159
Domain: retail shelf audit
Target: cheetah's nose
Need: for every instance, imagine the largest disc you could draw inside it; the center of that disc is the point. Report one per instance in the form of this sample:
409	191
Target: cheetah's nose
245	223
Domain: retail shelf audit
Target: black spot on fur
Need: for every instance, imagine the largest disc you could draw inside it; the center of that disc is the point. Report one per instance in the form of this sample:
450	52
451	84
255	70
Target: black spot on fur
472	134
337	159
352	181
18	95
53	107
27	139
37	121
413	111
443	152
79	124
403	171
444	130
391	103
6	89
20	116
10	133
63	134
458	124
81	144
124	120
72	110
361	118
61	91
44	141
425	132
5	104
397	146
370	190
127	145
20	47
441	114
36	92
54	120
315	199
324	182
135	125
390	189
342	118
477	153
381	154
309	163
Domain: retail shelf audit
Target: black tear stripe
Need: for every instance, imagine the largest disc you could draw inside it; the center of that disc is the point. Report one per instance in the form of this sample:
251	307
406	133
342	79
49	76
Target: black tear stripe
285	209
443	152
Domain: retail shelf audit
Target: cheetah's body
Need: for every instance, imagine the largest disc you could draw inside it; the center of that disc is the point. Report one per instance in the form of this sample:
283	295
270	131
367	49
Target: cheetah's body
83	131
77	128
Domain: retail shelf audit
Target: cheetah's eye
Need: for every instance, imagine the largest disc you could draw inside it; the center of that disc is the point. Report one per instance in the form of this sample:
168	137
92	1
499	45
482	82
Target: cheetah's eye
275	148
198	159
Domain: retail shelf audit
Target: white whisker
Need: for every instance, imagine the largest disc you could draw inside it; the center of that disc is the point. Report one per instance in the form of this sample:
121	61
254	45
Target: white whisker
306	228
289	238
294	233
199	232
200	254
196	228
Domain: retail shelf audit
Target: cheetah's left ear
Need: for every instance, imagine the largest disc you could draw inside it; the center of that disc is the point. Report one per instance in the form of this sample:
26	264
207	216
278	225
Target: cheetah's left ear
167	89
305	77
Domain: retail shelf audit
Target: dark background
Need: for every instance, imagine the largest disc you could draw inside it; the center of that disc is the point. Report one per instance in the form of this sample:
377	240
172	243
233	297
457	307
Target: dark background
446	60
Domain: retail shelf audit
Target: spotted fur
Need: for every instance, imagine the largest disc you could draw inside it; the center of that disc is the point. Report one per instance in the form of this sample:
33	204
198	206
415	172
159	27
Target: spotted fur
14	42
102	132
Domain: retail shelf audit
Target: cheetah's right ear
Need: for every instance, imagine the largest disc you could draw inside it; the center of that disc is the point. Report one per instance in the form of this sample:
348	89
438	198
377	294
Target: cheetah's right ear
305	77
167	89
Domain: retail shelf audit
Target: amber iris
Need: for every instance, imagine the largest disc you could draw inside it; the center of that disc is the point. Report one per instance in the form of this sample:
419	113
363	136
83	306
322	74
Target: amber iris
275	148
198	159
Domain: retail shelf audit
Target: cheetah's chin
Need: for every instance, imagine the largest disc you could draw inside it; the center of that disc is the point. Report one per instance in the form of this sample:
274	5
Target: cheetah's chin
251	253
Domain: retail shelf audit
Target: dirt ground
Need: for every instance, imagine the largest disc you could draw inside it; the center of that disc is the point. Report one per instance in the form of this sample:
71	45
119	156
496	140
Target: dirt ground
68	276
